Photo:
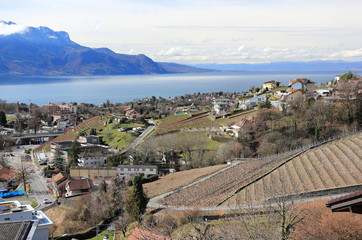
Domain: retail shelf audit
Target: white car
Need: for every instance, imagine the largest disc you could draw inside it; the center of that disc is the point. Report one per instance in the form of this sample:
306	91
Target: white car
46	201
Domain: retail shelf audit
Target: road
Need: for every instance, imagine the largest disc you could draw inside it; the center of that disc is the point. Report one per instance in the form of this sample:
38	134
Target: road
38	183
141	137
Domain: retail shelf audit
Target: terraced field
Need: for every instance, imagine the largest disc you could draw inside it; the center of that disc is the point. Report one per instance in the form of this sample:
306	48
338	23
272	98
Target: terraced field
201	120
94	122
332	165
211	192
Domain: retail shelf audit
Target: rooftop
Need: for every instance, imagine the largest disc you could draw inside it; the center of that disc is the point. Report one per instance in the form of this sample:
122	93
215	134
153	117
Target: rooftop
15	230
14	206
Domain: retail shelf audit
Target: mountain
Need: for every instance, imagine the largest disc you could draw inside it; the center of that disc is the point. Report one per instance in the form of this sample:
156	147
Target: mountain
42	51
330	66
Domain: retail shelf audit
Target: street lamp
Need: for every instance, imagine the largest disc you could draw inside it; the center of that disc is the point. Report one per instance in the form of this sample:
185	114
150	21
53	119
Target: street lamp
29	116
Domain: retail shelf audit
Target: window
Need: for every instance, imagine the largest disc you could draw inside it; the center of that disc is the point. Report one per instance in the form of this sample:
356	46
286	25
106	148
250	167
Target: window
7	219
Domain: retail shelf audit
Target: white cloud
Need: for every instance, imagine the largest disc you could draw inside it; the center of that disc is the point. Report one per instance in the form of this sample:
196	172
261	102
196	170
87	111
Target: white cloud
11	28
351	53
176	51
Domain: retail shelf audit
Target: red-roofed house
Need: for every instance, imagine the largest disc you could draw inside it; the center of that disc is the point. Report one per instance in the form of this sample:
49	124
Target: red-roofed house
244	126
133	114
301	83
76	187
6	174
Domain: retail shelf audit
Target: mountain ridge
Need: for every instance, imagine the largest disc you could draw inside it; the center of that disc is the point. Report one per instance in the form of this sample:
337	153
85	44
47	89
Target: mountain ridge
41	51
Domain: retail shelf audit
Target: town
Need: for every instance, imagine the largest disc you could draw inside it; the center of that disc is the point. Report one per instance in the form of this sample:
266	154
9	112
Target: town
198	166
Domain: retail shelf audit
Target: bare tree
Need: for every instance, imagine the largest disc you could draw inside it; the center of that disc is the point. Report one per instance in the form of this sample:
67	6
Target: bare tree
24	173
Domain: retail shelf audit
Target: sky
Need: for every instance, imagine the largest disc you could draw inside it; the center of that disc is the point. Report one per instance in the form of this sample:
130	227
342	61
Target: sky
204	31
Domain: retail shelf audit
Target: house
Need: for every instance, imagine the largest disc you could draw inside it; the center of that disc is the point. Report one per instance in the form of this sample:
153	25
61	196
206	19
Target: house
292	94
90	159
271	85
245	126
19	221
132	114
63	147
6	174
75	187
188	110
128	171
222	104
63	116
348	203
93	172
89	139
59	182
252	102
301	83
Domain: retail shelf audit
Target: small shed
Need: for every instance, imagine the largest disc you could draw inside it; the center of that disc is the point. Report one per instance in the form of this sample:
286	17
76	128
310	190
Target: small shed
348	203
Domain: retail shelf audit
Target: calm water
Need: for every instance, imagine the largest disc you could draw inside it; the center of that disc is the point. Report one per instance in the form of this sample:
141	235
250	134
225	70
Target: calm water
125	88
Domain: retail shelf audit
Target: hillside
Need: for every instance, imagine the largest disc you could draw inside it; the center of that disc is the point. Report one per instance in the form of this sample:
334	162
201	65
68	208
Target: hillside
42	51
94	122
332	165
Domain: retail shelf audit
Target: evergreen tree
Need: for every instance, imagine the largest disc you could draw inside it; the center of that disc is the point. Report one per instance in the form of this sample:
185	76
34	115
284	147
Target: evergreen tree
136	200
2	119
73	153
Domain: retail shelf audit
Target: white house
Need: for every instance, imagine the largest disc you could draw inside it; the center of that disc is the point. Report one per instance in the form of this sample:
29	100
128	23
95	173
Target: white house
128	171
222	104
252	102
91	159
35	222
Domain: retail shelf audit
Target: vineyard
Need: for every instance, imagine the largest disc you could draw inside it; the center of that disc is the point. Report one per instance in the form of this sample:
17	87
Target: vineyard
94	122
200	120
332	165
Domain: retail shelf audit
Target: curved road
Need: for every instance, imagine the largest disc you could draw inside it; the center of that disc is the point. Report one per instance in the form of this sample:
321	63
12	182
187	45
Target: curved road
141	137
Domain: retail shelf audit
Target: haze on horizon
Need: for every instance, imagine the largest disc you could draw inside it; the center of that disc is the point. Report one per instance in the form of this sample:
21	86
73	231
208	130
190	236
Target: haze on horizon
213	31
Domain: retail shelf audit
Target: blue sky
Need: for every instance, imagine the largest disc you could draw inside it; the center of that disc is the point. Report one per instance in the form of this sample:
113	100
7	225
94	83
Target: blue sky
201	31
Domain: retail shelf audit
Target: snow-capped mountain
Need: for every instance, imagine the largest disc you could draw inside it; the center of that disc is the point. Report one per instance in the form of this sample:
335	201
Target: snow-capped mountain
42	51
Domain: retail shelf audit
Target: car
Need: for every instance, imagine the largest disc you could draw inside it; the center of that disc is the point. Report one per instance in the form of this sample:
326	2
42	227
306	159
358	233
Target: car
46	201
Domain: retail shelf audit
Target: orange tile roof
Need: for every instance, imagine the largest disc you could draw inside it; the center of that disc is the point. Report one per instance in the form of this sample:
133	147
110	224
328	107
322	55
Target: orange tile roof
6	174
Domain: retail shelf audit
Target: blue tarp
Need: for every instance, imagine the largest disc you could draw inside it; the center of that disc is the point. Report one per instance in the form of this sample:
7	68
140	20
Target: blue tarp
11	194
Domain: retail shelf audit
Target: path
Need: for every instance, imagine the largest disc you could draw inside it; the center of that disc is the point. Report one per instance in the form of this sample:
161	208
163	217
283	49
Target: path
141	137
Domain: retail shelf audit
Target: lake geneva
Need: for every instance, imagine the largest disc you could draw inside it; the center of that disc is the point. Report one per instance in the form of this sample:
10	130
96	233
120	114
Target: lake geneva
117	89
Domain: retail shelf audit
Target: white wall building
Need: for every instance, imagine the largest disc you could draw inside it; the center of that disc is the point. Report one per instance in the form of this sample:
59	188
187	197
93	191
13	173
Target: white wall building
222	104
252	102
13	211
91	159
128	171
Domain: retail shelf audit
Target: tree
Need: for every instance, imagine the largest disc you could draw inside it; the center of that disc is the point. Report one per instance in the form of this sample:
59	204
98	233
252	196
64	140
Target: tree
136	200
122	223
24	173
73	153
348	76
2	119
93	131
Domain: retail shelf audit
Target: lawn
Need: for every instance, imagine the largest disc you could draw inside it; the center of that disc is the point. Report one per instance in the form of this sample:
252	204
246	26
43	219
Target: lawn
114	138
100	236
117	139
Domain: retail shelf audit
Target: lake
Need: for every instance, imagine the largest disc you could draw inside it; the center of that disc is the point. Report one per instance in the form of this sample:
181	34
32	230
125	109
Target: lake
117	89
